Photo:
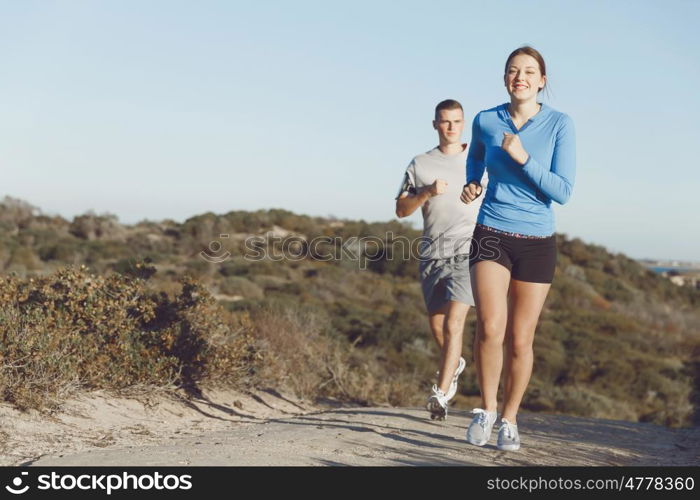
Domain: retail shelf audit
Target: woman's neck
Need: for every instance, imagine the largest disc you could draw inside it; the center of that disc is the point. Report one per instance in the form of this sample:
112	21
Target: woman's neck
522	111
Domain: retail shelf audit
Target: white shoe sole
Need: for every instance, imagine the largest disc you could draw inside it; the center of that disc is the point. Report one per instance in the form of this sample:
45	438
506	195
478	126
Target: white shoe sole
477	443
508	447
460	368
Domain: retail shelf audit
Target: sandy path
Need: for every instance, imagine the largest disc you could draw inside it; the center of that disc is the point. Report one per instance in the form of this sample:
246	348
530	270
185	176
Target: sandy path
98	421
266	428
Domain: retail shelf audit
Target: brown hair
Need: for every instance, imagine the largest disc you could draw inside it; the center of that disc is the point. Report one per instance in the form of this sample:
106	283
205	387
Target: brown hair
527	50
447	104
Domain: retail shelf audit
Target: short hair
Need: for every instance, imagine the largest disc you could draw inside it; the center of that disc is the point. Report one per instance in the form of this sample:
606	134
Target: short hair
447	104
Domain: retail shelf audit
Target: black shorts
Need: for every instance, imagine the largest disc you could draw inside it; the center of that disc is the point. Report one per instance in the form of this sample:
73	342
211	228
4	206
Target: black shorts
527	259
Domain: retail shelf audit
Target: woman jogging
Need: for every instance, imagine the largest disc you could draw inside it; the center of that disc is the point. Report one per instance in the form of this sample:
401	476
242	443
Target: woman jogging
529	151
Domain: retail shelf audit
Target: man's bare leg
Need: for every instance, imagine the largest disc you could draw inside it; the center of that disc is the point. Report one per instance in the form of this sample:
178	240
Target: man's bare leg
453	331
437	326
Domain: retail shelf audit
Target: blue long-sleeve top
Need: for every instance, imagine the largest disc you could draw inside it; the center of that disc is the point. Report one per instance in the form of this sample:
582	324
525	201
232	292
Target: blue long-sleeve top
518	198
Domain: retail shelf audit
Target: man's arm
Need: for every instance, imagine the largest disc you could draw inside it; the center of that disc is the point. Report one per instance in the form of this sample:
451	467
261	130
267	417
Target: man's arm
407	203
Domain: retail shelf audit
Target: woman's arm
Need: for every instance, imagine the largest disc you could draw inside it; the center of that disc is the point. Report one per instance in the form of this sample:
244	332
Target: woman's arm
558	182
475	158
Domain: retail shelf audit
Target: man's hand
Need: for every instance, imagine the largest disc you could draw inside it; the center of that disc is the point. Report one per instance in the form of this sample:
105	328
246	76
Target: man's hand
470	192
511	144
437	187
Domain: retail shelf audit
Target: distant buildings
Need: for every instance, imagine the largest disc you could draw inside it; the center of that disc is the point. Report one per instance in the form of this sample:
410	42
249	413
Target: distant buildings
678	272
691	279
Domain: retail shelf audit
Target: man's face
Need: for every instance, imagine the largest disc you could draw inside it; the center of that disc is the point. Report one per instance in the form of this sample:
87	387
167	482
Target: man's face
449	125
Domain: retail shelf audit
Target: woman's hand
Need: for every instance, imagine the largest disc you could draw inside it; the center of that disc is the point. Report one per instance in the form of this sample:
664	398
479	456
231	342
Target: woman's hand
511	144
470	192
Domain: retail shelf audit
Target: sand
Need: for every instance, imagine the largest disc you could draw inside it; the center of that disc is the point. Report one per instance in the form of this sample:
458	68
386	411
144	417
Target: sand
264	427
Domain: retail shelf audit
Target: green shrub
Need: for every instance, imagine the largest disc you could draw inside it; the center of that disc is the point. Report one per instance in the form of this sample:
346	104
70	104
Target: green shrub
75	330
236	285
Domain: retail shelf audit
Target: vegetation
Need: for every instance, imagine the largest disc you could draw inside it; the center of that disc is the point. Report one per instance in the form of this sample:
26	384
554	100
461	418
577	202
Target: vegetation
75	330
332	311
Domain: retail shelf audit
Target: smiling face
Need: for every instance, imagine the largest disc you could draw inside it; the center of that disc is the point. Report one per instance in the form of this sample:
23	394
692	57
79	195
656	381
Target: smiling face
449	124
524	78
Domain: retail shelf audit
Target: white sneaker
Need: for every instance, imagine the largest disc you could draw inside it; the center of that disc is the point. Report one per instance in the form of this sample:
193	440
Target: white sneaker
437	404
508	438
479	431
453	385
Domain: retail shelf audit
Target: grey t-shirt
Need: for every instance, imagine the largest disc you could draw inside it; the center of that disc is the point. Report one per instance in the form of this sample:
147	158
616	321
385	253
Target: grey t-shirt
448	223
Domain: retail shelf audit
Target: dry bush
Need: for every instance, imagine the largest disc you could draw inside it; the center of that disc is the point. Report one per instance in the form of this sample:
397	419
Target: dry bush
16	213
91	226
75	330
301	353
237	285
295	352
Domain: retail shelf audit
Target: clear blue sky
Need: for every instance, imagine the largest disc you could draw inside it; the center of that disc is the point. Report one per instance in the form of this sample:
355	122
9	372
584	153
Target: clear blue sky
168	109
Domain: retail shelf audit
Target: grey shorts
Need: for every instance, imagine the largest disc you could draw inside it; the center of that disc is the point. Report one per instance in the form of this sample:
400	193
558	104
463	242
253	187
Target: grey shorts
443	280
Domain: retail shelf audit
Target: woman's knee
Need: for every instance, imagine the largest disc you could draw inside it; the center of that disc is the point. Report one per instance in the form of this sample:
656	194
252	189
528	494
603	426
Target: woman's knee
492	329
521	345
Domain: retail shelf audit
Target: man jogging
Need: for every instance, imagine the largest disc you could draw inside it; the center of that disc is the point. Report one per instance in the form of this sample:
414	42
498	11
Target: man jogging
433	181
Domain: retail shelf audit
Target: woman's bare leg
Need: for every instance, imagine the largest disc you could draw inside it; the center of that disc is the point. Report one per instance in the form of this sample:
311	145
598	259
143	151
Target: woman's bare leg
490	282
526	301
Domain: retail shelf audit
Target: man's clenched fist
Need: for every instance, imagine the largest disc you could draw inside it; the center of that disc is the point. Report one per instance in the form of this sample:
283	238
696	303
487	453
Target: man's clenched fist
437	187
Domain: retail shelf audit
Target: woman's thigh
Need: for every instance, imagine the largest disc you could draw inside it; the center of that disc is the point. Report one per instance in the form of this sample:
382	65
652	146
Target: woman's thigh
490	281
525	302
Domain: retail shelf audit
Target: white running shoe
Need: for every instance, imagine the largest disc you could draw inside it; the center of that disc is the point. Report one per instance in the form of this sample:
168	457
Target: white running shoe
508	438
437	404
453	385
479	431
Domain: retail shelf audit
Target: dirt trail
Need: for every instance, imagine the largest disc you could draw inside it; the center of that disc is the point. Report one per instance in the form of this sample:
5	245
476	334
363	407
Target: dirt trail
268	428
